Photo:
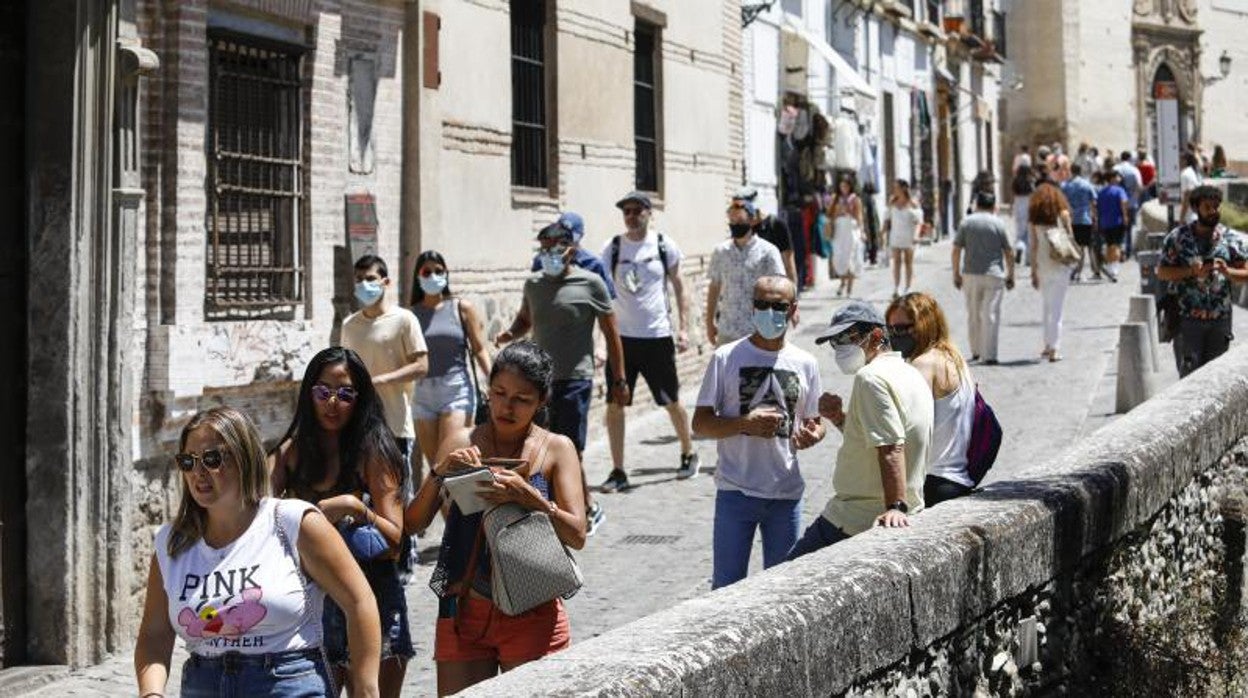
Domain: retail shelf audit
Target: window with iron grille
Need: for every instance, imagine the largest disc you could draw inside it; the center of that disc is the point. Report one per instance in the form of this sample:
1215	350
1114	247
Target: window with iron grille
647	109
530	164
975	9
998	32
256	168
933	12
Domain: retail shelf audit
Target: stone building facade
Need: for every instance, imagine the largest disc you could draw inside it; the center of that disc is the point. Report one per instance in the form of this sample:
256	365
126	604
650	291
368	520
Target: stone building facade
1104	56
198	176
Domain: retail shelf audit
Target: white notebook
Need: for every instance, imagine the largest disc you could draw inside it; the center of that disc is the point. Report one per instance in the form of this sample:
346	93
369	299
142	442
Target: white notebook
464	489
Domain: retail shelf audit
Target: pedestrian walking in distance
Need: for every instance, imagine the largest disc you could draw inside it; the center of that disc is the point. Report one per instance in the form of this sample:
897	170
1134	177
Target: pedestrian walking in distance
1081	196
902	220
918	330
845	210
882	463
983	268
736	264
1049	210
474	639
759	401
561	305
642	262
241	576
445	397
1202	259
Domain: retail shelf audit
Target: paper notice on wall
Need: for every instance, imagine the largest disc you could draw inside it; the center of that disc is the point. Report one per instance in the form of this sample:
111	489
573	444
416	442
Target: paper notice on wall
1169	147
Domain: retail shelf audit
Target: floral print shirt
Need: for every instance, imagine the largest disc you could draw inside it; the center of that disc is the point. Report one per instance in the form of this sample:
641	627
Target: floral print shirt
1207	298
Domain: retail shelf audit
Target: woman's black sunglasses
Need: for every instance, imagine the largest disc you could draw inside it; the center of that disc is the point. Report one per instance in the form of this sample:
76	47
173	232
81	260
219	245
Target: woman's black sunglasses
212	460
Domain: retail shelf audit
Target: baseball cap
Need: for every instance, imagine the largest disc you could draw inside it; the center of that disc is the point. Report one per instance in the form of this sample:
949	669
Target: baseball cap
849	315
636	197
570	226
746	193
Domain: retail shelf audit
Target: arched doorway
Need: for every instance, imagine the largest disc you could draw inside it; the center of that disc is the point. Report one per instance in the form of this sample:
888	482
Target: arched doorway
1164	86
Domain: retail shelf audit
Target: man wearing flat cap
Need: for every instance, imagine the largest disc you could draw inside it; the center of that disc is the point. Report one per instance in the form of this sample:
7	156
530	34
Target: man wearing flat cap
561	306
882	462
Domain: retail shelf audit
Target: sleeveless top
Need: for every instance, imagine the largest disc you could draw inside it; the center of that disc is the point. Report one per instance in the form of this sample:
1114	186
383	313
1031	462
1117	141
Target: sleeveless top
248	596
458	539
445	336
845	205
951	432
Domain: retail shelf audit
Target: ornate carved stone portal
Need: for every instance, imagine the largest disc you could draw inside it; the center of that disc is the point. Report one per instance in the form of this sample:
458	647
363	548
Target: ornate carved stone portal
1166	33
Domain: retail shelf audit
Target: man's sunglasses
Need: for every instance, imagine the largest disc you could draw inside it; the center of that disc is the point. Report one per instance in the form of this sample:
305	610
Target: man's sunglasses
345	394
212	460
845	339
778	306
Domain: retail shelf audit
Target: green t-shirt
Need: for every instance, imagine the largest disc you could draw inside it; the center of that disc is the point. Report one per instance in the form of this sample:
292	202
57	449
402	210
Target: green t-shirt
890	404
563	311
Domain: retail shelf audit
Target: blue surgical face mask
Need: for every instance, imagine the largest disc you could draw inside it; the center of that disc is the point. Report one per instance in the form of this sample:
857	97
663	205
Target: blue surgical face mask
769	323
433	284
368	292
552	263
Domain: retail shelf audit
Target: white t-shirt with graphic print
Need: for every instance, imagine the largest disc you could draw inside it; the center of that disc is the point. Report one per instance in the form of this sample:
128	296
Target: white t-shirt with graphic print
740	377
247	596
641	285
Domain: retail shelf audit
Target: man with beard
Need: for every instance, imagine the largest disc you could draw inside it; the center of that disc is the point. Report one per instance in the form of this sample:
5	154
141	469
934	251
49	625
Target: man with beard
1202	259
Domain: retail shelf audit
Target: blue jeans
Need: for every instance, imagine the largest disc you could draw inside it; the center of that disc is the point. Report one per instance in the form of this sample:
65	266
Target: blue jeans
818	535
737	516
296	674
396	634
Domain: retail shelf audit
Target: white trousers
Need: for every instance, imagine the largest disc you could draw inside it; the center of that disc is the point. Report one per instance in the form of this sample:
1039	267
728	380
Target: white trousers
1053	285
983	312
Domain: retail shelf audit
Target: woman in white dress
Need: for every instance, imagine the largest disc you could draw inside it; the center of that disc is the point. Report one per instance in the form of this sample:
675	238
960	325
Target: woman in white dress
845	210
902	221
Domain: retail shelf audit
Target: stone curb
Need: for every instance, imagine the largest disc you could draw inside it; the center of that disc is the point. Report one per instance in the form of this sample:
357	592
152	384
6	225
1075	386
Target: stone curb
819	623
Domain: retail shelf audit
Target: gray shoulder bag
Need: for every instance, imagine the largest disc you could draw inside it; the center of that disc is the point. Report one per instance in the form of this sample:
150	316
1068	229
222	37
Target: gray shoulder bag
529	565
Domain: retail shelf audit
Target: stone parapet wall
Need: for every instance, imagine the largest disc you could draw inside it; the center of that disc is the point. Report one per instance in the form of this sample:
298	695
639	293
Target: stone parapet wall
1102	541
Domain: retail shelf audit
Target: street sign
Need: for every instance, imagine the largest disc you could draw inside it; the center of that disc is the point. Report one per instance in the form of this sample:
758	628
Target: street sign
1166	95
361	224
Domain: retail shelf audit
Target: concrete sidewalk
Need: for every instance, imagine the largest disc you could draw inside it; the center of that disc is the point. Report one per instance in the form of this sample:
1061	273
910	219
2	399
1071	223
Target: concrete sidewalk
655	547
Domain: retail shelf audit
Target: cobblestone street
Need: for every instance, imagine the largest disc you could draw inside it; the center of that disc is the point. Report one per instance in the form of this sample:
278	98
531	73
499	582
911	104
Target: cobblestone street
654	549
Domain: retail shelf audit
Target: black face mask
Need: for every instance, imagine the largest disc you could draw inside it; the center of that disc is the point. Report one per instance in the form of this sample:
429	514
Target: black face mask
739	230
1210	222
903	343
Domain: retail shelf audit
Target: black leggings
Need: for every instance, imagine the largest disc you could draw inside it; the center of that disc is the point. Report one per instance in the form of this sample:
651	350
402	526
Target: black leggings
938	489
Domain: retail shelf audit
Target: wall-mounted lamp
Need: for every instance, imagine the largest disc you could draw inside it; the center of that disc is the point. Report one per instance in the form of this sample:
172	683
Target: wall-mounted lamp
1224	69
751	10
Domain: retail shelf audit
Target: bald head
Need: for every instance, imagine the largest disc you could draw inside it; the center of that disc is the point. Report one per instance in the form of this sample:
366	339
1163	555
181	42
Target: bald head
778	288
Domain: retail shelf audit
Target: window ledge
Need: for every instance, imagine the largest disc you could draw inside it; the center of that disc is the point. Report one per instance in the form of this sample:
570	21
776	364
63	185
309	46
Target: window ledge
532	197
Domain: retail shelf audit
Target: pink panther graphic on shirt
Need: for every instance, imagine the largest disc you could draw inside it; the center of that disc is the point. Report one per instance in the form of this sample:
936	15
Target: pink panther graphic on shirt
231	621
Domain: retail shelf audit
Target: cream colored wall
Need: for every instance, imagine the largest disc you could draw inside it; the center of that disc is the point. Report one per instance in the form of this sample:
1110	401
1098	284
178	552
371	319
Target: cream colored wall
1225	109
1035	43
1101	87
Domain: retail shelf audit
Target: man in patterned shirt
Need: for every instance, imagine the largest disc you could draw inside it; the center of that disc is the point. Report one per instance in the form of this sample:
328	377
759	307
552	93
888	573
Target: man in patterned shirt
1202	259
736	264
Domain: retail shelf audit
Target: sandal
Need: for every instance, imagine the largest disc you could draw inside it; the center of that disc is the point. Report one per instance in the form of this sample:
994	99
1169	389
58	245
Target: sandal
1055	357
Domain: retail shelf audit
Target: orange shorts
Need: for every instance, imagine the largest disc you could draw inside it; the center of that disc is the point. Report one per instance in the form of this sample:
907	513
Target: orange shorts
487	633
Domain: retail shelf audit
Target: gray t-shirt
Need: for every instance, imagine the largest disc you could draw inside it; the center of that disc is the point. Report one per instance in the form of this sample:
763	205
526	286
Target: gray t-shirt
563	311
984	242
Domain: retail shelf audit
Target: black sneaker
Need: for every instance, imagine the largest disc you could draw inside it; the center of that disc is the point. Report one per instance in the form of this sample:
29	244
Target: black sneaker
689	465
617	481
594	519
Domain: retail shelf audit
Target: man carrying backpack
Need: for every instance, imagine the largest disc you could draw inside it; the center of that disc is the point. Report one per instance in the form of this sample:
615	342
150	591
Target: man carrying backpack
641	262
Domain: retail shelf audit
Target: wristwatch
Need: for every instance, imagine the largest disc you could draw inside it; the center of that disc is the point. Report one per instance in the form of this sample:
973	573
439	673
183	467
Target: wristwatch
899	505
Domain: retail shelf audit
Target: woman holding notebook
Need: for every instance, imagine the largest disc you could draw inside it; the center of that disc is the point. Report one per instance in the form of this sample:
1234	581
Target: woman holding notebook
528	466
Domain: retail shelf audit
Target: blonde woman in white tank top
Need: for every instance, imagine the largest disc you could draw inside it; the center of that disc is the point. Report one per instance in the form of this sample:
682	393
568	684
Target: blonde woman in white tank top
918	329
241	577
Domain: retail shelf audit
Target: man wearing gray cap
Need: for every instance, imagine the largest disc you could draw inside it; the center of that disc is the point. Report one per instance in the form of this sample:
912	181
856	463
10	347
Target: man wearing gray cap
882	462
769	228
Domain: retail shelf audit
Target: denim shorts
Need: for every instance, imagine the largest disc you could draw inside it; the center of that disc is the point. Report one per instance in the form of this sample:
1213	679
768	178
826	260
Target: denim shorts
295	674
396	635
437	396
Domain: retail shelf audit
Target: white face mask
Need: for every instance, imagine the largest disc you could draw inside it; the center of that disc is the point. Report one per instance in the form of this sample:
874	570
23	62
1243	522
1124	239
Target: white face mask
433	284
850	358
769	323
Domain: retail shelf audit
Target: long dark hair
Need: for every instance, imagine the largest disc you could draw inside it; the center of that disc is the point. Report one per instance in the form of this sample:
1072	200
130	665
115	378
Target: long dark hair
531	363
418	293
365	436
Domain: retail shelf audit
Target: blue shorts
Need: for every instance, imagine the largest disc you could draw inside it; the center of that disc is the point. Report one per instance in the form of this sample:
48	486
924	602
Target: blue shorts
569	409
295	674
396	635
437	396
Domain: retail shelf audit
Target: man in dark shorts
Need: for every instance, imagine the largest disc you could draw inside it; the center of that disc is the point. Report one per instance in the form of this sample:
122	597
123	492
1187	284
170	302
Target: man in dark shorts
1081	196
769	228
1113	213
642	262
561	306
